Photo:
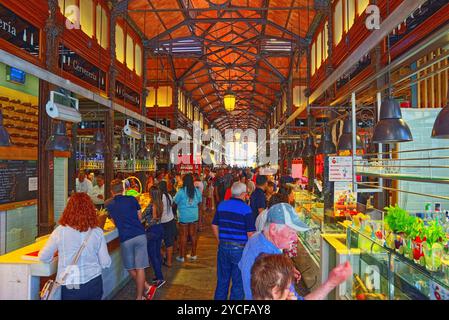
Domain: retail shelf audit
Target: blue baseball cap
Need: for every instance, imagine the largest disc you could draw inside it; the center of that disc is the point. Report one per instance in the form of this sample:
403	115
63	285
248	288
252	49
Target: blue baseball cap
283	213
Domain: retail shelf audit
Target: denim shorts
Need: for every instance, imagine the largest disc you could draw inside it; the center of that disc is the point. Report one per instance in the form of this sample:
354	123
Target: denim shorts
134	253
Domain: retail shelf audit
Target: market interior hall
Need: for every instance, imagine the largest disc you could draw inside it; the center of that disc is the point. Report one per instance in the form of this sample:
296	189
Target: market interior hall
328	118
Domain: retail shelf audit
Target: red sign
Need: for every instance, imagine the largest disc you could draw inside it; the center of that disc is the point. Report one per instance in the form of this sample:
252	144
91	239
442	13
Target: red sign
186	165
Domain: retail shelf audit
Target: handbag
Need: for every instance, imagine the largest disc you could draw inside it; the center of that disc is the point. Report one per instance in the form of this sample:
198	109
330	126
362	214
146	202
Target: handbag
52	288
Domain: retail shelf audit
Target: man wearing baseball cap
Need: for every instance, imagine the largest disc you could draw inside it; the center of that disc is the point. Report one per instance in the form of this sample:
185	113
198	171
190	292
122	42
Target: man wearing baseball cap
279	232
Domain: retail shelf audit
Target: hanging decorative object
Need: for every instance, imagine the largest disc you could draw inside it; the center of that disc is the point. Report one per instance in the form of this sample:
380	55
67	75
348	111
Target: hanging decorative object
391	128
345	141
5	139
59	141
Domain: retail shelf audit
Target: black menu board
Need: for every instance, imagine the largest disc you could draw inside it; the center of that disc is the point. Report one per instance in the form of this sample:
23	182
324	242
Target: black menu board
18	181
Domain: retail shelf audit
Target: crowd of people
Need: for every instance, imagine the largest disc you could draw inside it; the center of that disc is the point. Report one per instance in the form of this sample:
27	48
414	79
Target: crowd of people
253	220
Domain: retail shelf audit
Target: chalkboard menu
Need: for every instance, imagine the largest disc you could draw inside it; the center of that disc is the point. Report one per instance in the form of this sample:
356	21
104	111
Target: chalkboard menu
18	181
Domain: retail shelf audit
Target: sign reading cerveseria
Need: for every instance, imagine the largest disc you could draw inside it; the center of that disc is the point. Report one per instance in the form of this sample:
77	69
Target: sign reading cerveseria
128	95
18	31
73	63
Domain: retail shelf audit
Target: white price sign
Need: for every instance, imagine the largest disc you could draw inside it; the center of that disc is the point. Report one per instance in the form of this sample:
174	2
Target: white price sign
340	169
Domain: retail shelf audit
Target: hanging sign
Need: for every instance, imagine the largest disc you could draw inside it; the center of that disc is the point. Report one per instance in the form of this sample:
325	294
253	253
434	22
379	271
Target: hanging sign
126	94
345	200
340	169
79	67
18	31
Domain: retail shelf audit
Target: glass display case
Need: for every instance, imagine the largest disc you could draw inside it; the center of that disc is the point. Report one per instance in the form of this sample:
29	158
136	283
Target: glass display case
381	273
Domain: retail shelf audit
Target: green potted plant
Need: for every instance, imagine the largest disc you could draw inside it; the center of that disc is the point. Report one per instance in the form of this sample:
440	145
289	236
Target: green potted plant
398	221
433	247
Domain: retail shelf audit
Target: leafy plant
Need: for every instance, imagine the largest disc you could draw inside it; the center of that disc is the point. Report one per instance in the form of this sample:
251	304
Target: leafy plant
417	229
434	233
398	219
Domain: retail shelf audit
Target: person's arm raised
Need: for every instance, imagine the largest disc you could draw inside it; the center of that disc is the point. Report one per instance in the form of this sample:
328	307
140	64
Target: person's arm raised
337	276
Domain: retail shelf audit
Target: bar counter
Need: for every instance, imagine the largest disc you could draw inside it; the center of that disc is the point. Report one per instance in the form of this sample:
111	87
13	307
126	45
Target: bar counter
22	279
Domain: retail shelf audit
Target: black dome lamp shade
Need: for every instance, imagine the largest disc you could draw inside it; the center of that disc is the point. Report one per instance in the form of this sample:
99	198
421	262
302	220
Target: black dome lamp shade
441	126
99	146
309	149
391	128
345	141
59	141
5	139
326	145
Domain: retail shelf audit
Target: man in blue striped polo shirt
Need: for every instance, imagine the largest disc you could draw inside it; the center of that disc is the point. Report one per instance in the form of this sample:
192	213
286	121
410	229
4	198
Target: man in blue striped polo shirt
233	224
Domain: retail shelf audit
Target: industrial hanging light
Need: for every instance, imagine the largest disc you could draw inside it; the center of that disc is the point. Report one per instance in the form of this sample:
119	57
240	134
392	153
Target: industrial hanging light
143	152
59	141
309	148
326	145
229	100
391	128
345	141
441	126
125	150
5	139
298	150
99	146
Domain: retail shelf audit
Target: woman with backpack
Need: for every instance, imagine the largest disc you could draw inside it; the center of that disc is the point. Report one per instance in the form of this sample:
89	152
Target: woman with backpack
155	232
188	199
168	223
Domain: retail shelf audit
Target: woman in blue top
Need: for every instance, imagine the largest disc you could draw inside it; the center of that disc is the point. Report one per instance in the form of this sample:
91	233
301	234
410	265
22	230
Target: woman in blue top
187	200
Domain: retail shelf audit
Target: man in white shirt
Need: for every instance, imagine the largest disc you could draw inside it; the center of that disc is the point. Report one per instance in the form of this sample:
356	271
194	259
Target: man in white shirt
97	194
83	184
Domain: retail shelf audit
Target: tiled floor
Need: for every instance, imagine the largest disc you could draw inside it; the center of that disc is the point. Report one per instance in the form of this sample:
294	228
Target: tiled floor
189	280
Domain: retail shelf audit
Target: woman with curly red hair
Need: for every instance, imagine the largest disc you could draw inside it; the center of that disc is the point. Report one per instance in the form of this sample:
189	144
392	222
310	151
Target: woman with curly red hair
78	225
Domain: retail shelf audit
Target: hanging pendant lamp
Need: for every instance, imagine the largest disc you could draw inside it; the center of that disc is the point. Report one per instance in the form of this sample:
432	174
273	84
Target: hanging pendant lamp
59	141
441	126
391	128
298	150
229	100
125	150
345	141
143	152
99	146
326	145
5	139
309	149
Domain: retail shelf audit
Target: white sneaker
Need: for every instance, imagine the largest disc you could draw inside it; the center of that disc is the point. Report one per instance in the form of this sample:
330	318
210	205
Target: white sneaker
193	258
180	259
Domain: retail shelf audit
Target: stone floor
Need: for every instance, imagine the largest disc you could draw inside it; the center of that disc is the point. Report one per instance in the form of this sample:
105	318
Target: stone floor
196	280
